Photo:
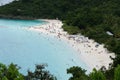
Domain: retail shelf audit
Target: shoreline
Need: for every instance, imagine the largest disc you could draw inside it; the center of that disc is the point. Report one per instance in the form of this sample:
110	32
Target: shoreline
16	17
93	54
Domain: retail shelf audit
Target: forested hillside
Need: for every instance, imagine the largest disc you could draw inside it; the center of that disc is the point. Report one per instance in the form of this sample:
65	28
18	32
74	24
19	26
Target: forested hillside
97	19
93	18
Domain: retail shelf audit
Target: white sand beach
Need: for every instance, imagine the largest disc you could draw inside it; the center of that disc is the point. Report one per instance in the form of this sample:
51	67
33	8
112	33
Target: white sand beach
92	53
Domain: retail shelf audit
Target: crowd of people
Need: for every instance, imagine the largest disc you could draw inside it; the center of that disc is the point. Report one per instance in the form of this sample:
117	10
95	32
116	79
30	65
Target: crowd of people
79	42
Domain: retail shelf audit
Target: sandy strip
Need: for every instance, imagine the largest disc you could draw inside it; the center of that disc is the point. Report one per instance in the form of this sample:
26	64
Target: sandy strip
92	53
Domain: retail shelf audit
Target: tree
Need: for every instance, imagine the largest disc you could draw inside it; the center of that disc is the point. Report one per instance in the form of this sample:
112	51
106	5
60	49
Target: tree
117	73
10	73
40	74
4	78
116	61
97	75
77	73
25	0
3	70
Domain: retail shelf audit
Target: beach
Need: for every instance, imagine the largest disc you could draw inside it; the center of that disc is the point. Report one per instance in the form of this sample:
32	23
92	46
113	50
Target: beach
91	52
27	48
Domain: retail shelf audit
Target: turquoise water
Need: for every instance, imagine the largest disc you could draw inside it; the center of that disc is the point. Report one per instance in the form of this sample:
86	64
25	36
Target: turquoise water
27	48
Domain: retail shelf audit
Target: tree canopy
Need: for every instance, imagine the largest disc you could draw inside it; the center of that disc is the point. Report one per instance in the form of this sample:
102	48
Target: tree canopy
92	18
10	72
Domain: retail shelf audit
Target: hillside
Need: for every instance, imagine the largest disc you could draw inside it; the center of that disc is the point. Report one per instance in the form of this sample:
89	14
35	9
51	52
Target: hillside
91	18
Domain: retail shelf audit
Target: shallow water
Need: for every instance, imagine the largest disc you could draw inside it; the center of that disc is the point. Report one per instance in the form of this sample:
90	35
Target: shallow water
27	48
3	2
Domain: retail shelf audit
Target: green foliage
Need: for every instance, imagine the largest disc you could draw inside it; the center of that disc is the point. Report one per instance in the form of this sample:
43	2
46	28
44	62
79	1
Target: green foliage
25	0
77	73
117	73
109	74
4	78
10	73
71	29
97	75
91	18
116	61
40	74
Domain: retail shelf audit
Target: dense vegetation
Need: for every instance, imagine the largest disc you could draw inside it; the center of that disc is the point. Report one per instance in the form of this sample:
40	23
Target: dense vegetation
92	18
79	74
11	72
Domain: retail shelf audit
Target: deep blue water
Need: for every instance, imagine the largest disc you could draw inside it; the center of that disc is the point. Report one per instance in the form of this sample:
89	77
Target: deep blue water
27	48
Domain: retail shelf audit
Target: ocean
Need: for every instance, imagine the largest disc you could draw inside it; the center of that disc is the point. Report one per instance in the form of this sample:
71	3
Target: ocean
27	48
